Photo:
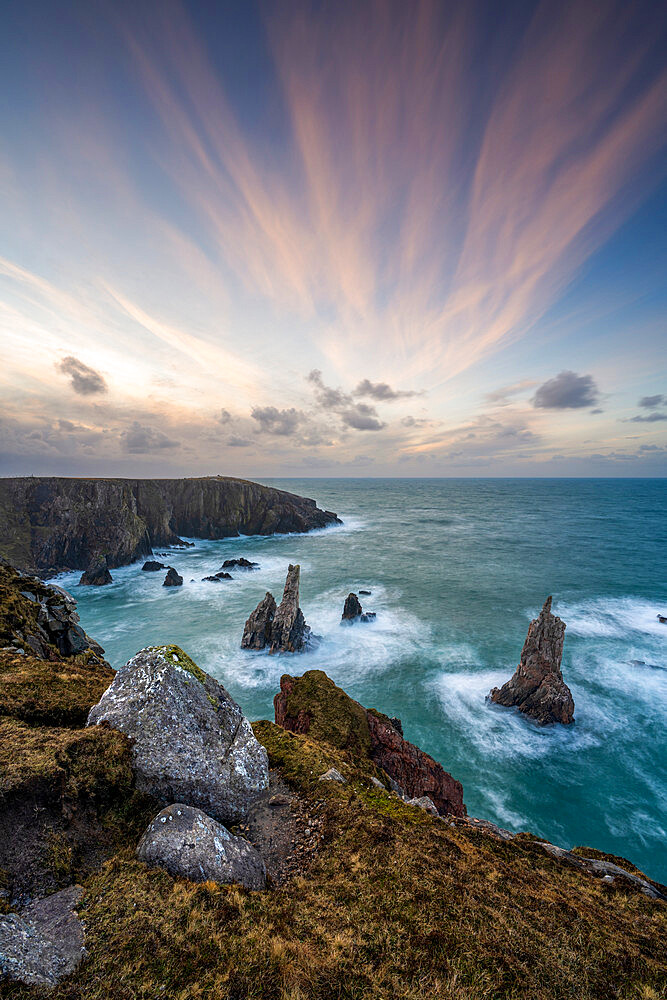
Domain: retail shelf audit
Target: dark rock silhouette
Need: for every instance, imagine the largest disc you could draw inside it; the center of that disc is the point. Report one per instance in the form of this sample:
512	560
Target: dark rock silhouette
151	566
218	577
97	574
662	619
537	687
241	563
353	611
314	705
257	631
366	593
172	579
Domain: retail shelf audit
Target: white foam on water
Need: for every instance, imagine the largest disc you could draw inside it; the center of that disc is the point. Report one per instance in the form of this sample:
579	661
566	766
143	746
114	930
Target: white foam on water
612	617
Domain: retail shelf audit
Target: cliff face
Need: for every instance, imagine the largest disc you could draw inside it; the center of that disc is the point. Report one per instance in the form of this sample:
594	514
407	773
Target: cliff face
53	524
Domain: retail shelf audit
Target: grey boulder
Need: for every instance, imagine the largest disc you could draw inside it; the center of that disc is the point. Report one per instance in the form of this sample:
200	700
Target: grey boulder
44	942
191	742
189	844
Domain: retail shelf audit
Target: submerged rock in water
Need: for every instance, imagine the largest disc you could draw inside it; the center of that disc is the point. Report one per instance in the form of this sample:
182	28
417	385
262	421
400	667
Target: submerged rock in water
289	632
190	740
241	563
353	611
44	942
313	705
537	687
172	579
151	566
97	574
257	631
217	577
189	844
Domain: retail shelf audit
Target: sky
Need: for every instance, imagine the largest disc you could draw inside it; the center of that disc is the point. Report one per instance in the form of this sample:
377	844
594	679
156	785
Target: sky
333	239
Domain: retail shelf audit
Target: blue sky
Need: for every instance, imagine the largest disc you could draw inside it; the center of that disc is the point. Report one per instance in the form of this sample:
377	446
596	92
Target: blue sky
333	239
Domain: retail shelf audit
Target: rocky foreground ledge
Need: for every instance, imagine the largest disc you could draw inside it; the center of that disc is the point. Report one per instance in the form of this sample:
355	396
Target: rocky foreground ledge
48	525
154	843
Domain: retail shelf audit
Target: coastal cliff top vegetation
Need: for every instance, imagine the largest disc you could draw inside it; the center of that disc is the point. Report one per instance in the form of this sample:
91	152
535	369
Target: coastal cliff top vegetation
390	902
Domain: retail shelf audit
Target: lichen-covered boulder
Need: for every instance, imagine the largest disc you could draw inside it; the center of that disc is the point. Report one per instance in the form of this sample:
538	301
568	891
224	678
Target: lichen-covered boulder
44	942
191	743
189	844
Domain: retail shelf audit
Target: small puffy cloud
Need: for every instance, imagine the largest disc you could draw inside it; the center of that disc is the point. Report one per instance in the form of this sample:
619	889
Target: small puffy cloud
139	439
84	381
224	417
567	391
326	397
649	418
283	423
238	442
381	391
653	402
411	421
362	417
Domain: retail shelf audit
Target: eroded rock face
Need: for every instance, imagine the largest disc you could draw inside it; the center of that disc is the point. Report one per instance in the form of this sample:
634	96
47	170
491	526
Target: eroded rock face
97	574
257	631
53	524
537	687
40	619
190	740
289	632
44	942
314	705
172	579
416	772
189	844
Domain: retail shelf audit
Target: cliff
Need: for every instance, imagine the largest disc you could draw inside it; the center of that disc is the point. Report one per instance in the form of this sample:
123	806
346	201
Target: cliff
48	525
367	895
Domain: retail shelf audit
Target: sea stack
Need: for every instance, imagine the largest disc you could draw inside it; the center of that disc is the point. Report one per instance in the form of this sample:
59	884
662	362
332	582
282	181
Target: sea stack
290	633
283	629
353	611
172	579
537	687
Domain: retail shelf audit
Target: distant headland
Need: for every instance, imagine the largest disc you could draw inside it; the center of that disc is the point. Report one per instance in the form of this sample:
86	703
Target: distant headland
52	524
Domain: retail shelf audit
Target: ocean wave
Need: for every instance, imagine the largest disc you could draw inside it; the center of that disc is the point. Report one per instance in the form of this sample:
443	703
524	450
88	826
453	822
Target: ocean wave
612	617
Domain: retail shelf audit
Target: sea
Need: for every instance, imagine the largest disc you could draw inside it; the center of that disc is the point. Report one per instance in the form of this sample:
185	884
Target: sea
456	569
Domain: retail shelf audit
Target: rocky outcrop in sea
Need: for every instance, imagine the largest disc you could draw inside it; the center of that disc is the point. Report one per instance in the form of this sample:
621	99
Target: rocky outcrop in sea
48	525
281	628
537	687
97	574
353	611
172	579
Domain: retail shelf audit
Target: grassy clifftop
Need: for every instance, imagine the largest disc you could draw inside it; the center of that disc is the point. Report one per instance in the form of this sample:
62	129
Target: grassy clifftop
388	902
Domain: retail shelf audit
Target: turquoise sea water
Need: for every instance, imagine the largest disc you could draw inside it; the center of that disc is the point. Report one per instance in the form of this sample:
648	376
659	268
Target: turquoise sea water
457	568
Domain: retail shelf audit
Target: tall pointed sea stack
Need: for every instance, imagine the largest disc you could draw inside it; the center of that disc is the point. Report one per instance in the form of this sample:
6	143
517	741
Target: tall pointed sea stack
537	687
290	632
282	629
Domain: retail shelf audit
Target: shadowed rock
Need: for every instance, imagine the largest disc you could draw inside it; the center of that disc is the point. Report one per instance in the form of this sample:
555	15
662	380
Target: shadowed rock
151	566
44	942
97	574
190	740
537	687
289	633
217	577
257	631
172	579
314	705
189	844
353	611
241	563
